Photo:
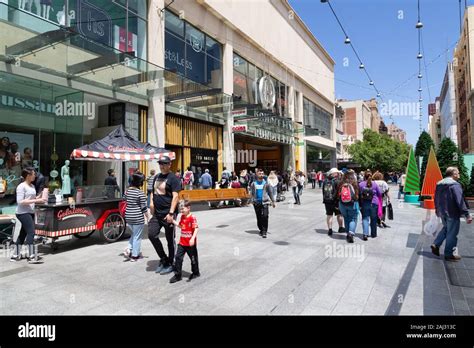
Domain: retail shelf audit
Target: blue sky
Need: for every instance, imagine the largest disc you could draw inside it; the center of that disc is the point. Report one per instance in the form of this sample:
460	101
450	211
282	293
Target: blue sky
384	34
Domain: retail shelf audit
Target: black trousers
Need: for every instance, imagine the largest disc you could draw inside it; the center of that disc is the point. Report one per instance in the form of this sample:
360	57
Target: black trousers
154	229
193	255
261	210
27	232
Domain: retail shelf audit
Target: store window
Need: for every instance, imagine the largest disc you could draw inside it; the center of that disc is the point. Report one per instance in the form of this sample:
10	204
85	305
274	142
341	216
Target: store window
34	134
317	119
191	53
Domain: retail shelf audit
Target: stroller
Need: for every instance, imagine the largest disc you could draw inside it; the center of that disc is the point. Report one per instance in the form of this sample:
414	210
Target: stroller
281	188
7	229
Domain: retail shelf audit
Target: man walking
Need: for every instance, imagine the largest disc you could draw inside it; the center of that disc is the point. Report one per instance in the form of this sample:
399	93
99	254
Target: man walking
163	207
330	200
450	206
206	180
261	196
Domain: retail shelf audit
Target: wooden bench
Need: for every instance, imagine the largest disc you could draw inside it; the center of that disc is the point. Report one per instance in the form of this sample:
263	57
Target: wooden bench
239	195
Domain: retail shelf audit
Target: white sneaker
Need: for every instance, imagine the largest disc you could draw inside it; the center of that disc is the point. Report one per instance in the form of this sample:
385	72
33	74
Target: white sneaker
127	253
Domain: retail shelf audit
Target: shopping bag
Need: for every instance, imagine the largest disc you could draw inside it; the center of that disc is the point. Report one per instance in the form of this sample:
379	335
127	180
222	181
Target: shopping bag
433	225
390	210
379	209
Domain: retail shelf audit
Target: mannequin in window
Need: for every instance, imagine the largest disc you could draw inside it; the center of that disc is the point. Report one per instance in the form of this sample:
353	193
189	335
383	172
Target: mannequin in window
46	8
37	6
66	187
24	4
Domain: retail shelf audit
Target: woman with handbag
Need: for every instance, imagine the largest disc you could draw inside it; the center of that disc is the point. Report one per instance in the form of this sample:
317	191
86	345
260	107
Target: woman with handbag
378	178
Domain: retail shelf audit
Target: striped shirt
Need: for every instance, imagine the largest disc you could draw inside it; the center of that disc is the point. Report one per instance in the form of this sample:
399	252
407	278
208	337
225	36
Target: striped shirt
149	182
136	206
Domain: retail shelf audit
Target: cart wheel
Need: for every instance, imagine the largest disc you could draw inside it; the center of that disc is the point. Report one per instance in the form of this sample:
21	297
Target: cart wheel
114	228
83	235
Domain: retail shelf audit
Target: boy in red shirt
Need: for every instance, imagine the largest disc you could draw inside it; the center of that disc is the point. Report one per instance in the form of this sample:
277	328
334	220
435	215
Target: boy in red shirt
187	243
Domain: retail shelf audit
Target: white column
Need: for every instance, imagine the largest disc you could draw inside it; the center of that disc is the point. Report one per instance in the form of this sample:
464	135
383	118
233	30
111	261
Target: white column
156	49
228	88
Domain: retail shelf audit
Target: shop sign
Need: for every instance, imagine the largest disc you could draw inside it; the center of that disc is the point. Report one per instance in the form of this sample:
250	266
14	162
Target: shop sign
239	112
239	128
26	103
73	213
269	135
266	91
93	22
175	58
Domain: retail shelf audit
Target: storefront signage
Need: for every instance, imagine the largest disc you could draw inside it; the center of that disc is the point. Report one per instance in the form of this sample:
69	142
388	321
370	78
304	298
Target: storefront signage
239	128
239	112
73	213
266	91
27	104
175	58
196	44
269	135
93	22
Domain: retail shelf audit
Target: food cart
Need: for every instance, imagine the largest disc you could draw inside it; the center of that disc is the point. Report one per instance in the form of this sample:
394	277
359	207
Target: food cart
95	208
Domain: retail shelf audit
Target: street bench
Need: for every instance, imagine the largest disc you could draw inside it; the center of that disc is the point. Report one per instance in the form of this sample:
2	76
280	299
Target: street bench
238	196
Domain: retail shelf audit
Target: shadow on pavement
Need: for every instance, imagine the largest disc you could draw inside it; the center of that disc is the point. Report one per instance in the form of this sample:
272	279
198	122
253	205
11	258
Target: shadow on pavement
335	234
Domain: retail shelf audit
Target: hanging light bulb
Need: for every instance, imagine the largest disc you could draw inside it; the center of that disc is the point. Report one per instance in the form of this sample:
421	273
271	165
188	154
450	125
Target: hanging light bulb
347	40
419	56
420	100
419	89
419	25
324	1
420	76
378	95
361	66
371	83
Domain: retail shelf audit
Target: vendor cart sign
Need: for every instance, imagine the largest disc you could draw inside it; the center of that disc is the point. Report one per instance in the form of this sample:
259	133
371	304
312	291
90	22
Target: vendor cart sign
73	213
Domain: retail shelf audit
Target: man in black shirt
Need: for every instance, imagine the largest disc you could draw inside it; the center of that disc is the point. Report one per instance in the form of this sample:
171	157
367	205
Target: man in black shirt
164	201
111	184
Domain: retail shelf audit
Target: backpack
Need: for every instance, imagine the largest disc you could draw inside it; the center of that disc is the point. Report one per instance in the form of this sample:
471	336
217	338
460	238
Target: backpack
367	194
187	178
328	191
347	194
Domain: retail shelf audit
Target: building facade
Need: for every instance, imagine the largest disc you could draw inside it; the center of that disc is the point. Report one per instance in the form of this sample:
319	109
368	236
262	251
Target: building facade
357	117
463	77
197	77
396	133
448	114
434	122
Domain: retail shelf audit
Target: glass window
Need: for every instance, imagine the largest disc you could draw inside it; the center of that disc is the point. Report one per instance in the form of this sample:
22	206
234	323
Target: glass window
317	118
213	48
175	60
173	24
195	55
240	86
240	65
214	72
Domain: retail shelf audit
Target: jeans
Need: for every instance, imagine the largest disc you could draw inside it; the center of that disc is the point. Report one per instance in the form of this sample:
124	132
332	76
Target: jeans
27	232
300	190
400	191
148	198
274	192
154	228
193	255
320	182
296	195
369	213
313	183
261	211
350	214
450	233
135	241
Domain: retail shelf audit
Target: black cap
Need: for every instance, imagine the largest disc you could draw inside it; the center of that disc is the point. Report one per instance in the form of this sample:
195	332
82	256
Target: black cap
164	160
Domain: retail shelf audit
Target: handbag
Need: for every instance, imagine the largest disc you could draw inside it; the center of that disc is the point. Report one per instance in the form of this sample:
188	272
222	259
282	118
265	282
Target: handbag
390	210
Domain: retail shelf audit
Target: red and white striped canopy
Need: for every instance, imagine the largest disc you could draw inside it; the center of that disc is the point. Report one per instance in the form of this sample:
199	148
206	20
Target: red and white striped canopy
87	155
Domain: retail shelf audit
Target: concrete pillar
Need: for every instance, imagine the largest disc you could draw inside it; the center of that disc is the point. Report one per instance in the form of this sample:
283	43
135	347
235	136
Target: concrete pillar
228	88
156	56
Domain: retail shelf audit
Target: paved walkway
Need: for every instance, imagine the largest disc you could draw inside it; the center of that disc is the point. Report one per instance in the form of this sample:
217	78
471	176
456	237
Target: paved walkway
298	269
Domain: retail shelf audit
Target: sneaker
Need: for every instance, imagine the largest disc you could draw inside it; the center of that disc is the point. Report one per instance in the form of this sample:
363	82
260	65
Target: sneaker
330	232
350	238
134	258
175	279
435	249
365	237
341	230
166	270
127	253
35	259
159	268
453	258
193	275
264	235
260	233
15	258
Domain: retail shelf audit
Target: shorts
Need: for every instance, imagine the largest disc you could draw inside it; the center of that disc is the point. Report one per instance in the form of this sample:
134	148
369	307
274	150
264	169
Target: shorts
332	209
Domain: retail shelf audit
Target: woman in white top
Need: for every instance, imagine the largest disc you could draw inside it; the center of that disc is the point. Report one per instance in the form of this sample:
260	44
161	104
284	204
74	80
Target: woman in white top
273	182
378	178
25	213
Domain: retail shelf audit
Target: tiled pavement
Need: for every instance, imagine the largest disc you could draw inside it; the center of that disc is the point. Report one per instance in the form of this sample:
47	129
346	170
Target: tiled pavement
290	272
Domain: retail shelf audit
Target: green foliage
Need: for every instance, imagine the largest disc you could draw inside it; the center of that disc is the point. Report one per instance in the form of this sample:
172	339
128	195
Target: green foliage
449	155
422	148
379	152
470	191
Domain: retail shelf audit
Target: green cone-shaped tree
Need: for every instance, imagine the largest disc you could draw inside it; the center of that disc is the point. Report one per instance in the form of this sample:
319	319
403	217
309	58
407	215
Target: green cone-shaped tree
422	148
449	155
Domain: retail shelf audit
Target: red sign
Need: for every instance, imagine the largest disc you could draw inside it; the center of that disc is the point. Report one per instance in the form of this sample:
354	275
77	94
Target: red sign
70	213
124	149
239	128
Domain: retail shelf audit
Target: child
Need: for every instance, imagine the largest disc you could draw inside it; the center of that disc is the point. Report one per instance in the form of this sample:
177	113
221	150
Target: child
187	243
